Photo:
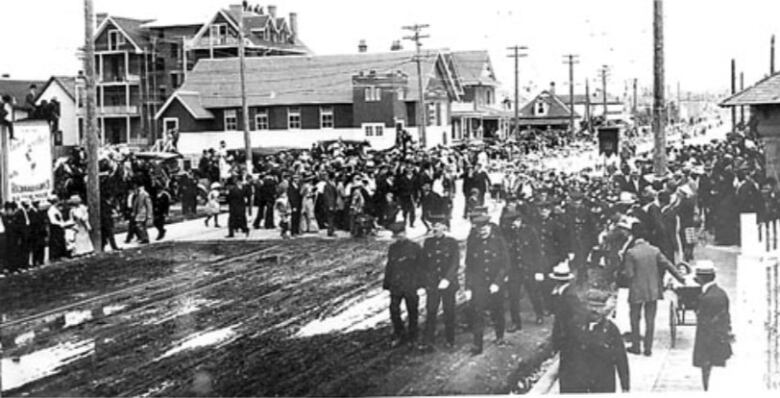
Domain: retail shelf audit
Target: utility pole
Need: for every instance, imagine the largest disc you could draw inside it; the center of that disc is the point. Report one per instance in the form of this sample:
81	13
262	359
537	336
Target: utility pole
93	179
587	106
571	59
733	91
604	73
659	131
772	57
742	108
417	37
517	55
244	106
633	103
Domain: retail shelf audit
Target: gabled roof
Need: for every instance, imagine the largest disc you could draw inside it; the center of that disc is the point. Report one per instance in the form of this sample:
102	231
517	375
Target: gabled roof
131	28
190	101
292	79
765	92
18	89
252	23
471	67
556	108
68	84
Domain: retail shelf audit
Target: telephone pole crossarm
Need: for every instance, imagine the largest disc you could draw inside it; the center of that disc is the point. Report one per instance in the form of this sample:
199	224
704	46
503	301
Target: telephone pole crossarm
417	37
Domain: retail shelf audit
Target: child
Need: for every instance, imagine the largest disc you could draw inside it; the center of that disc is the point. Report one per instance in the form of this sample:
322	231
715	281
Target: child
282	208
212	205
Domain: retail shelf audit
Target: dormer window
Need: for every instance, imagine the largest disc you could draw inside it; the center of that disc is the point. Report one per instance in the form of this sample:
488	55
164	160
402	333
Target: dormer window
540	108
219	34
115	39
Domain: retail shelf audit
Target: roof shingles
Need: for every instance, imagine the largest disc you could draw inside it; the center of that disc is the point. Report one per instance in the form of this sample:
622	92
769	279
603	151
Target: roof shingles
765	92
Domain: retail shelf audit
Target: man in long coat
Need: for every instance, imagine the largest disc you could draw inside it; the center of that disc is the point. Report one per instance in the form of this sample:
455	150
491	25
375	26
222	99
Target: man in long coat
441	259
403	277
237	203
487	262
641	266
712	346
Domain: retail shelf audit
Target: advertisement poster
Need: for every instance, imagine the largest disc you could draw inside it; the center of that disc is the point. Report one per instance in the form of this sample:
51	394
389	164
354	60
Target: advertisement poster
29	162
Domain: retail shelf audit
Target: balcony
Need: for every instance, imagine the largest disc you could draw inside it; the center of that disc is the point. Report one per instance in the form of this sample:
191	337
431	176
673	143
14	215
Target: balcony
463	107
114	79
116	110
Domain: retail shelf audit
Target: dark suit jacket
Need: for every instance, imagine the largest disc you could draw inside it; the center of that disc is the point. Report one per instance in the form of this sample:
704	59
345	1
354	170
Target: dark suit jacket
642	263
330	196
712	345
294	196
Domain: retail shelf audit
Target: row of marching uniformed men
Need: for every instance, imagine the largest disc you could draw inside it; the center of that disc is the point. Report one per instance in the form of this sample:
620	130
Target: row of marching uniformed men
498	264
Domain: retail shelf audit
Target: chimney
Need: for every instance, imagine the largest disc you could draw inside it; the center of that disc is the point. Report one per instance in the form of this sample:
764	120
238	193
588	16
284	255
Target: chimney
272	12
100	17
237	9
293	26
552	88
362	47
396	46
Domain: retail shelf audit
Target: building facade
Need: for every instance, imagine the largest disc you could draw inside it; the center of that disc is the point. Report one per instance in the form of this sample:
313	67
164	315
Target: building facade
296	101
140	63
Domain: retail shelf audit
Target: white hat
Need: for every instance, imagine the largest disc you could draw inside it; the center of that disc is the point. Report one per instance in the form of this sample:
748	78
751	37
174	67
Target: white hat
627	222
705	267
561	272
215	185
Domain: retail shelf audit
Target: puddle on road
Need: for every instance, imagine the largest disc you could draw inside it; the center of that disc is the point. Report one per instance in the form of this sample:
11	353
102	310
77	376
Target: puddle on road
39	364
75	318
202	339
113	309
365	313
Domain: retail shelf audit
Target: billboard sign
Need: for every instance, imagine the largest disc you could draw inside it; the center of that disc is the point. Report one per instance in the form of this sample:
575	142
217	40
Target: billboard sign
29	165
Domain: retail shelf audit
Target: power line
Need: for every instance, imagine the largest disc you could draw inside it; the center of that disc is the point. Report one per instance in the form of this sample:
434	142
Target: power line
516	54
417	37
571	60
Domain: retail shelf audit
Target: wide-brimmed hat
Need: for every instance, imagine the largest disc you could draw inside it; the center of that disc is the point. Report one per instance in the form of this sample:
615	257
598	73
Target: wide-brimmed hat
561	272
74	200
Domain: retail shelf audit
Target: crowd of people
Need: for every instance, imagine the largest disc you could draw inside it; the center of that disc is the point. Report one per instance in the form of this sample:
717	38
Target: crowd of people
571	241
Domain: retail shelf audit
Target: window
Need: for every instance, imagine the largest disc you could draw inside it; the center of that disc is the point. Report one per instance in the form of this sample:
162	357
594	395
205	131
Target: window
326	118
263	34
115	39
401	94
170	123
374	129
218	34
293	118
438	114
373	94
261	120
541	108
231	119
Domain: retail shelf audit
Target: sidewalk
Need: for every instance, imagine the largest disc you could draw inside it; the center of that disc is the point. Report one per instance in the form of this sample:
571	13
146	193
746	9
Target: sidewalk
671	369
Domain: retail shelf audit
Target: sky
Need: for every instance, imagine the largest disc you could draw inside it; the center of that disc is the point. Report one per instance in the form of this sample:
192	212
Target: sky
41	38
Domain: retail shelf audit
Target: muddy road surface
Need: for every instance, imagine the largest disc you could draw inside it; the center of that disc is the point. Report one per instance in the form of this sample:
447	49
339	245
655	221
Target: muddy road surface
296	318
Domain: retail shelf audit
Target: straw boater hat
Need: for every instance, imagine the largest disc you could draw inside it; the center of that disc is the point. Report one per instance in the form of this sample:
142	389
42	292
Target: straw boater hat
216	185
705	267
74	200
562	272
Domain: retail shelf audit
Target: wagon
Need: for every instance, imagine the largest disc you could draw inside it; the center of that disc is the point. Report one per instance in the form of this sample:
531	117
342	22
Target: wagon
684	302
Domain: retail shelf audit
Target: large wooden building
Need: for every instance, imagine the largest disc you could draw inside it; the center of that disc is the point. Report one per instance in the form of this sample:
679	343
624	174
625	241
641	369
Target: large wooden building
298	100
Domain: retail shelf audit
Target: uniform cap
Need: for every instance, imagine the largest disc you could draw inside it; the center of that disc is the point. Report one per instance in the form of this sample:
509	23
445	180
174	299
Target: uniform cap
437	218
480	220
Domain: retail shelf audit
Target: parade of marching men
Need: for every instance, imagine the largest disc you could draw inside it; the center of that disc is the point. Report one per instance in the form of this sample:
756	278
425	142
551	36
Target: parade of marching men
218	199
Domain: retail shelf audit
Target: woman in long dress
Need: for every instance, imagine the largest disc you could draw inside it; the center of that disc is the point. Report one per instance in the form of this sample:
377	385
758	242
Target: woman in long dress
212	205
57	227
79	214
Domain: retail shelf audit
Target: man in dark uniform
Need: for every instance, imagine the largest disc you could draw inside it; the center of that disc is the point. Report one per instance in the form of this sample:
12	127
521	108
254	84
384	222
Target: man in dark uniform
526	264
712	346
487	262
430	203
550	253
582	234
441	259
599	351
402	278
405	192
